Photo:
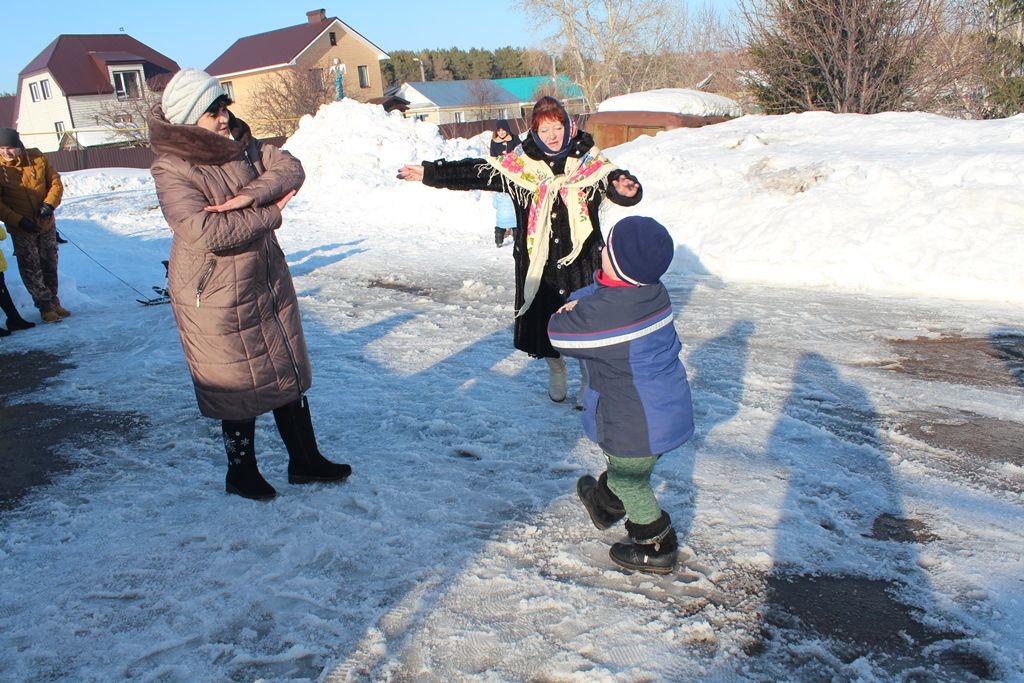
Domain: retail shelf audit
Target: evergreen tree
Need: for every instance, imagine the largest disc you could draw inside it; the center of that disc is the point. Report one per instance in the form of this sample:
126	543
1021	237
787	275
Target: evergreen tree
1004	72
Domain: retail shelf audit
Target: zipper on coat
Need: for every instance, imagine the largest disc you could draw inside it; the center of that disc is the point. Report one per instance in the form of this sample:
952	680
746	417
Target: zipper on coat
248	160
280	325
204	280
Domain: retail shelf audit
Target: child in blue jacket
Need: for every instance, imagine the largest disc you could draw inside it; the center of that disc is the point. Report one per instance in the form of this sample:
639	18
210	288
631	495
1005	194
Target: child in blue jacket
637	403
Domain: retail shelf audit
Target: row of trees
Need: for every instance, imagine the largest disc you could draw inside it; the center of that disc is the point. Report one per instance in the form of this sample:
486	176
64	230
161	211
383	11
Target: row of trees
959	57
454	64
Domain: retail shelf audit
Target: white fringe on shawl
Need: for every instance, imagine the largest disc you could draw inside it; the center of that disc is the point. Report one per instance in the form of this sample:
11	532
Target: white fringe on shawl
531	180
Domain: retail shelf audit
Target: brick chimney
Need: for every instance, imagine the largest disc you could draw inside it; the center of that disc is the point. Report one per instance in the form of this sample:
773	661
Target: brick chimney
315	16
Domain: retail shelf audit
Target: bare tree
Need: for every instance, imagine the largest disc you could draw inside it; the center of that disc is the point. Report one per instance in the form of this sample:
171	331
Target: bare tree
283	98
484	96
612	46
839	55
126	119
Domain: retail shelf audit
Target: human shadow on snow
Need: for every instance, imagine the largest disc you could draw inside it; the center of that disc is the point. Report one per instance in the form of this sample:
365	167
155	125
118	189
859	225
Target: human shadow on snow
1008	345
306	261
846	569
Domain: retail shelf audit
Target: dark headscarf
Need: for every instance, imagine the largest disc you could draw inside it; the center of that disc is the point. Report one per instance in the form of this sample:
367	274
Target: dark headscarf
566	139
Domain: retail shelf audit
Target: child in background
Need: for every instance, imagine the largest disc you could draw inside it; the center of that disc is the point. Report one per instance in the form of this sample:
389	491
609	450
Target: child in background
503	142
637	403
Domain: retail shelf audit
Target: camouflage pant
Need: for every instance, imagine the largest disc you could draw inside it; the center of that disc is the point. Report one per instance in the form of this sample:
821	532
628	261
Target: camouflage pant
37	263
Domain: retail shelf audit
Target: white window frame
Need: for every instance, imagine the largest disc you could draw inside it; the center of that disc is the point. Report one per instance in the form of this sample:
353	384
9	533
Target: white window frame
45	86
121	90
229	89
59	127
364	76
33	89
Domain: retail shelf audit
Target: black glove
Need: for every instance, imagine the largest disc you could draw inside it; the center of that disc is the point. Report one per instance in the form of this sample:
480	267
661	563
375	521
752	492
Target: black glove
45	210
29	226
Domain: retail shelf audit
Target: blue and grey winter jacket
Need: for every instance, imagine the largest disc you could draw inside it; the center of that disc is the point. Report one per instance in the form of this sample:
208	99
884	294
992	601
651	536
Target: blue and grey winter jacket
637	402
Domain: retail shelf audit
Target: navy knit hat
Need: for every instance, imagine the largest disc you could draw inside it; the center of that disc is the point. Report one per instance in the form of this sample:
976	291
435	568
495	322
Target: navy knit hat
640	250
9	138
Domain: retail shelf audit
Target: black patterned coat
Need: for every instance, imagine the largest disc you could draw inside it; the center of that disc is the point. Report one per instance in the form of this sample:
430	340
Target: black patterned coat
557	281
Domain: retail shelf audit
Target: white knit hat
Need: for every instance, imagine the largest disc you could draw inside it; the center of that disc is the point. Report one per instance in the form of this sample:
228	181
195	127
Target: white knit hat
188	94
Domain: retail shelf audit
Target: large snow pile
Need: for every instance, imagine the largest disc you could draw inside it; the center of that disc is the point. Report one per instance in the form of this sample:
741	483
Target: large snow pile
351	153
903	203
899	203
895	203
674	101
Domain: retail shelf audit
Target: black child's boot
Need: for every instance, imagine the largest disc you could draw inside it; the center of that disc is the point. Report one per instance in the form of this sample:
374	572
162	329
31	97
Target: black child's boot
654	548
14	320
603	506
244	478
305	462
499	236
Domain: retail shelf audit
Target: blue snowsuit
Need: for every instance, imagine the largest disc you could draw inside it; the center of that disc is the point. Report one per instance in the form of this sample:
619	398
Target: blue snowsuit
637	402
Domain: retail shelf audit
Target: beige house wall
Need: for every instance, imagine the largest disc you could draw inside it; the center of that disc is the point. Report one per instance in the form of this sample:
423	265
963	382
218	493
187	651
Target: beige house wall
349	50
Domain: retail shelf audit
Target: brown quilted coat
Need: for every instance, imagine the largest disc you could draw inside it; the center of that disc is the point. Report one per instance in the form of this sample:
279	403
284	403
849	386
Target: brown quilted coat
26	183
231	291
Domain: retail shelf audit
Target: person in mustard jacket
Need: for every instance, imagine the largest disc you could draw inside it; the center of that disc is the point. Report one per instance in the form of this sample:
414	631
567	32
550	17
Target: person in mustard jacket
30	190
14	319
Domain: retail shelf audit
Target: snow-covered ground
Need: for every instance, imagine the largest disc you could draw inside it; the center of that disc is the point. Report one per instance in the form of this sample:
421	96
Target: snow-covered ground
807	248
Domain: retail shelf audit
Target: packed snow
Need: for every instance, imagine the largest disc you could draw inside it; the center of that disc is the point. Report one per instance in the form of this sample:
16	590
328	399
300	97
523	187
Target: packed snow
807	246
674	101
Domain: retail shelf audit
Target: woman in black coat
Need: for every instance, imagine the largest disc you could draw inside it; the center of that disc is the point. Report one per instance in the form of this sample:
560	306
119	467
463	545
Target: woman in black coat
557	179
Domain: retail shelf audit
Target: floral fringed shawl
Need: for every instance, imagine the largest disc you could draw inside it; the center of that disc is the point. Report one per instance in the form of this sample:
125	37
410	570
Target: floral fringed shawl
532	180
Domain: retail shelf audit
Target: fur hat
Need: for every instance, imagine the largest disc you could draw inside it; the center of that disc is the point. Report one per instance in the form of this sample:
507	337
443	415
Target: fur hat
9	138
188	95
640	250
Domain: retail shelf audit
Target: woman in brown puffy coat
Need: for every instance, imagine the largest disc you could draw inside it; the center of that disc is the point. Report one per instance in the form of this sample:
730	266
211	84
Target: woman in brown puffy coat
222	193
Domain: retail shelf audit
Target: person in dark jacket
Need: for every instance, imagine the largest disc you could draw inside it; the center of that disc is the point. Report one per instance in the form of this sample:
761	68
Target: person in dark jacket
557	179
503	142
222	192
637	404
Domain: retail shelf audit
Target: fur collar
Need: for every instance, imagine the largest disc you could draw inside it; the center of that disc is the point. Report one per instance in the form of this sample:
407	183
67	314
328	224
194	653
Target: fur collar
197	145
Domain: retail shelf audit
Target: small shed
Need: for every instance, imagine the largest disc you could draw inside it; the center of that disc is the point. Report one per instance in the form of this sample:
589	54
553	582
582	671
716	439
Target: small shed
626	117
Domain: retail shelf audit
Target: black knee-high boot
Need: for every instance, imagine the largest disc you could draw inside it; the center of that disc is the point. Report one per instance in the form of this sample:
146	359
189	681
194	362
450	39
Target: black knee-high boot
305	462
14	319
244	478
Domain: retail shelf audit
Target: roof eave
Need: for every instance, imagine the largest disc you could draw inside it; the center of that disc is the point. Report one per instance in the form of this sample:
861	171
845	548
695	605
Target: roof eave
248	72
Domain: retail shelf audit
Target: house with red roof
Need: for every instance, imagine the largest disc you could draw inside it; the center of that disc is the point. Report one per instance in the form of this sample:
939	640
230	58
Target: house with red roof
81	89
336	59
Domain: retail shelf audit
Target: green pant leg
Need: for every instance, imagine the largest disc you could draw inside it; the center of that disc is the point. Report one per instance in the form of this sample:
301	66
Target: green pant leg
630	480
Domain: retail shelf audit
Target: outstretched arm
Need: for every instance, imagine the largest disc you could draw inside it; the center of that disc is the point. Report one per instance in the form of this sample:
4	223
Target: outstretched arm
464	174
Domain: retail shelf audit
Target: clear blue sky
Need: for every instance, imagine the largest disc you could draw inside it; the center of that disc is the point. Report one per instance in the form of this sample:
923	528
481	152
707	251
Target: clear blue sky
195	32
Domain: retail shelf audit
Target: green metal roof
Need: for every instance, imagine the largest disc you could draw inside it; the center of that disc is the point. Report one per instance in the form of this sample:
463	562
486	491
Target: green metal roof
525	87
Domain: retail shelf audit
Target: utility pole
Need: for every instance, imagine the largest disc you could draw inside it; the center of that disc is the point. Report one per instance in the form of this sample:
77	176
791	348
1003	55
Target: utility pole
423	75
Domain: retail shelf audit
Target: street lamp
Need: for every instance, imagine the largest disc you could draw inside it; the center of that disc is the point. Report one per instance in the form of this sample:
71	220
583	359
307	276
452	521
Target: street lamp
423	76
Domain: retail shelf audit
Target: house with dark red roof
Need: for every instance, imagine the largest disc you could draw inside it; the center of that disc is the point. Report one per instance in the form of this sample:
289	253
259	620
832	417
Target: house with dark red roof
84	90
331	58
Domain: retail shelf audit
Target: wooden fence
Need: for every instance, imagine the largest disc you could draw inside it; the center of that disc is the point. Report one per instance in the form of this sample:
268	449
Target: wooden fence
113	157
472	128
